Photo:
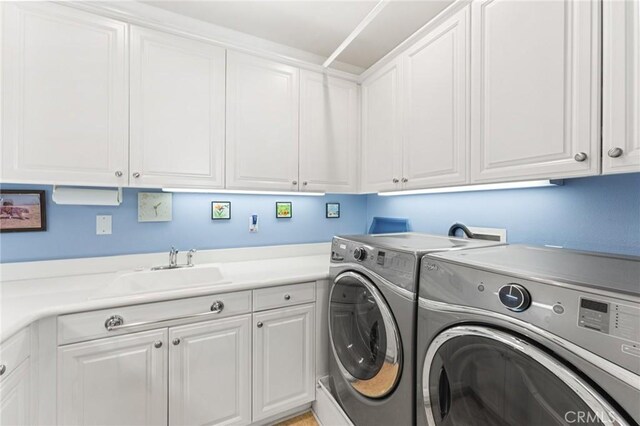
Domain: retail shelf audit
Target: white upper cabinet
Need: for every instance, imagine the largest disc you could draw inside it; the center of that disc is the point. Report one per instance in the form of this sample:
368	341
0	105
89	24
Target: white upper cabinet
116	381
535	89
65	96
177	111
210	373
262	124
381	130
436	103
621	86
328	133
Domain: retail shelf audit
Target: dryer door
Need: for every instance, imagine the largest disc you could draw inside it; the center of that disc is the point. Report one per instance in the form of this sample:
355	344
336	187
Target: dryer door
364	336
481	376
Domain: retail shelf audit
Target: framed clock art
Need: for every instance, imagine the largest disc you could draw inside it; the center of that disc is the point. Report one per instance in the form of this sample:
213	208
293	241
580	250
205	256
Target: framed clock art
155	207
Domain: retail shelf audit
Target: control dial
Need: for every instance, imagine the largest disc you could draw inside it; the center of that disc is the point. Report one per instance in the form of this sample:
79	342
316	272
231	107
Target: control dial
360	254
514	297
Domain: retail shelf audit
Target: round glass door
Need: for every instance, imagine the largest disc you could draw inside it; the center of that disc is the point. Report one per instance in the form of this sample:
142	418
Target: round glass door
480	376
364	336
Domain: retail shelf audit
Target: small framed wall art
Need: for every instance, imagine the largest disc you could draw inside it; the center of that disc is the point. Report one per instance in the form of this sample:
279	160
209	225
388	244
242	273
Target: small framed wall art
283	209
22	210
333	210
220	210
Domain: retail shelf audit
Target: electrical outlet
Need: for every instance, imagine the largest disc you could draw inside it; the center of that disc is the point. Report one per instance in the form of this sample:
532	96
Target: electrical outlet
103	225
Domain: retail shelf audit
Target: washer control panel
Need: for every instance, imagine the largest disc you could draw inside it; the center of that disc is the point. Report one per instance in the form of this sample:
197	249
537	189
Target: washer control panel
616	319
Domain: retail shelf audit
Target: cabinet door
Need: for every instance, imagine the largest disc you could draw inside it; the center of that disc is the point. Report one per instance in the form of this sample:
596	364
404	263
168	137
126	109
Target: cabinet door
283	360
15	401
65	96
328	133
621	86
177	111
210	373
534	89
436	98
114	381
381	137
262	124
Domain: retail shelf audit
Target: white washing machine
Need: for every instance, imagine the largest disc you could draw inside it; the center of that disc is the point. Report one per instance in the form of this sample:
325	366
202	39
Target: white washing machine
528	336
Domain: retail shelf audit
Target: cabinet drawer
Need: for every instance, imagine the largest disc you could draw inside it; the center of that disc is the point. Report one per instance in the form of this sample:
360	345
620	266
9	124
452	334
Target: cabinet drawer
286	295
15	350
92	325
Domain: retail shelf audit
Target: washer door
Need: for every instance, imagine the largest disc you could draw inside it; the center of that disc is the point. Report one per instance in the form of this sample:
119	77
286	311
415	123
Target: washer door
364	336
481	376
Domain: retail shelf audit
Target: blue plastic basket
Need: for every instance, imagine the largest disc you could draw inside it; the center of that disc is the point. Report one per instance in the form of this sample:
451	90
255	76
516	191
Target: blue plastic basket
387	225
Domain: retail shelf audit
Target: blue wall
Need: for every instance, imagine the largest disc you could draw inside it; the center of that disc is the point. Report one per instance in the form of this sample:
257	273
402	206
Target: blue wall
600	213
71	230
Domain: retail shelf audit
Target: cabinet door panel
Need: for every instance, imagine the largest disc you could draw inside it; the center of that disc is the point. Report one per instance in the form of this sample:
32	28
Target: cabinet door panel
262	124
114	381
15	401
621	86
177	110
328	133
283	360
381	137
535	89
65	100
436	103
210	373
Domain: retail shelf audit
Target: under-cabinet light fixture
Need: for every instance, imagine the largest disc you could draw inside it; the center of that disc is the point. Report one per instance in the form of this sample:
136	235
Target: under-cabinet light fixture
483	187
240	191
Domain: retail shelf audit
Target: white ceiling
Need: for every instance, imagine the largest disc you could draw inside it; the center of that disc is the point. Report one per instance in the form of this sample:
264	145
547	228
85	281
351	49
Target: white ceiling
315	26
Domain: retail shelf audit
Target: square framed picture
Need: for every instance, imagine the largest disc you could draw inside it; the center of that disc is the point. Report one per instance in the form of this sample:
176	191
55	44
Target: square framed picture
283	209
220	210
333	210
22	211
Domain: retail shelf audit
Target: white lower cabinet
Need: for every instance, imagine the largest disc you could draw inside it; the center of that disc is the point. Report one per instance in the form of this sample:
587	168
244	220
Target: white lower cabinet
209	373
114	381
15	401
283	360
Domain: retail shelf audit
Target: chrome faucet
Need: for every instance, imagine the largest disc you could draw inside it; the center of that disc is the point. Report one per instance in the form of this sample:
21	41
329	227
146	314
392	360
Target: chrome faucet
173	258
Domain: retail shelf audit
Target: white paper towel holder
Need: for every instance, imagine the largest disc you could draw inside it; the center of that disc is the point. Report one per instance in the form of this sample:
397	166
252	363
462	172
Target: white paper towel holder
78	196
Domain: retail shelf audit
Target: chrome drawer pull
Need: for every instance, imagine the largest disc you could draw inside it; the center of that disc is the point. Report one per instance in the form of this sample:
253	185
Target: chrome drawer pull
116	322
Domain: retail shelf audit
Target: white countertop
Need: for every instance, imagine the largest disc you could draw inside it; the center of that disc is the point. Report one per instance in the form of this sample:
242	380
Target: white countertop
35	290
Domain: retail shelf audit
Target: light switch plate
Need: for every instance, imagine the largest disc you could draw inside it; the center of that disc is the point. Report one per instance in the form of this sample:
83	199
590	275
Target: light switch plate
154	206
103	225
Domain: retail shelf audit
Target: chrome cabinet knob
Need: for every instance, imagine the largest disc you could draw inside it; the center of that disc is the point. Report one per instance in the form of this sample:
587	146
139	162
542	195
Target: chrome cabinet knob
615	152
580	157
217	306
136	175
259	324
113	322
118	173
3	368
295	182
176	341
158	344
405	180
287	297
305	183
395	180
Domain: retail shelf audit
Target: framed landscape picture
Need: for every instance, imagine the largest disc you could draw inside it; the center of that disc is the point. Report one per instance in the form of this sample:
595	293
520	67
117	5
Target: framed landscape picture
220	210
333	210
283	209
22	210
